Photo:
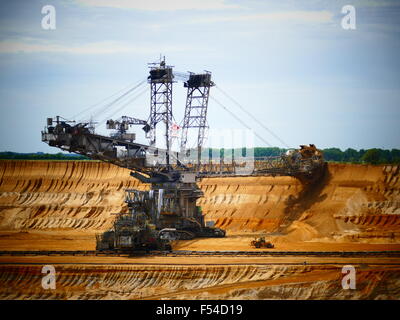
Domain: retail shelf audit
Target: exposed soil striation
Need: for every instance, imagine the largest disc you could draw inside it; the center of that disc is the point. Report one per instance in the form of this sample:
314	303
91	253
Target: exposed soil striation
60	205
356	203
350	203
199	282
61	195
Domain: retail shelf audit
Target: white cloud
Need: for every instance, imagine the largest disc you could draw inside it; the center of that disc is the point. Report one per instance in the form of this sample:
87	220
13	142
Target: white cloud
160	5
91	48
274	17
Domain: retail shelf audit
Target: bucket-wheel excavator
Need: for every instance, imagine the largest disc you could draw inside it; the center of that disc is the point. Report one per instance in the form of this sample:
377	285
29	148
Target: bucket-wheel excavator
168	210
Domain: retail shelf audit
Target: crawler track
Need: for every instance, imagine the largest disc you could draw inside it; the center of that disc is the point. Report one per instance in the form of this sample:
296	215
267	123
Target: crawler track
180	253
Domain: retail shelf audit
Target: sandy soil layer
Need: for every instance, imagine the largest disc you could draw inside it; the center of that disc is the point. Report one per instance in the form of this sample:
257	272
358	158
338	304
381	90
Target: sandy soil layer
351	203
196	260
40	240
61	196
61	205
170	278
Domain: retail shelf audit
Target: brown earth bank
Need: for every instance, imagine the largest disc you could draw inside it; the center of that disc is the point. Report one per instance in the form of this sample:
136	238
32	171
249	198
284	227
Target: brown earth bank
199	282
61	205
356	203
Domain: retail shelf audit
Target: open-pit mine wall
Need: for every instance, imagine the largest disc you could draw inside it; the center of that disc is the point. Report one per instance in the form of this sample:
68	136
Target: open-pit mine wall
199	282
350	202
61	195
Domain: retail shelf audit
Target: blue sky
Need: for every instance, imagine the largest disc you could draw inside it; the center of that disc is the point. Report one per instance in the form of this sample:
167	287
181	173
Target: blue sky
289	63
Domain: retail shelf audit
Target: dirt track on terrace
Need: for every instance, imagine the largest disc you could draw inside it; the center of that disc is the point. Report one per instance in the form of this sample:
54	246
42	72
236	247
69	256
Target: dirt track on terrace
60	205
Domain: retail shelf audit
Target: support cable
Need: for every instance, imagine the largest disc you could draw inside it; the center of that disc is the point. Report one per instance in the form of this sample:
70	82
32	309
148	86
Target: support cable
124	105
99	102
254	118
240	120
108	105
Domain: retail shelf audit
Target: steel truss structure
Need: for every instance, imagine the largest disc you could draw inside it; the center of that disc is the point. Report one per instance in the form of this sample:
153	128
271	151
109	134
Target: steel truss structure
196	109
160	79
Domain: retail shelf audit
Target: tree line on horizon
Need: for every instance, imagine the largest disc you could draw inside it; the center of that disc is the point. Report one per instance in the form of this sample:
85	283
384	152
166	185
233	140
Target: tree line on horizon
369	156
7	155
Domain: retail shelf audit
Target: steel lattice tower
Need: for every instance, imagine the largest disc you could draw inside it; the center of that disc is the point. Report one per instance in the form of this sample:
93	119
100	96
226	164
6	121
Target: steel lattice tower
160	79
196	108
